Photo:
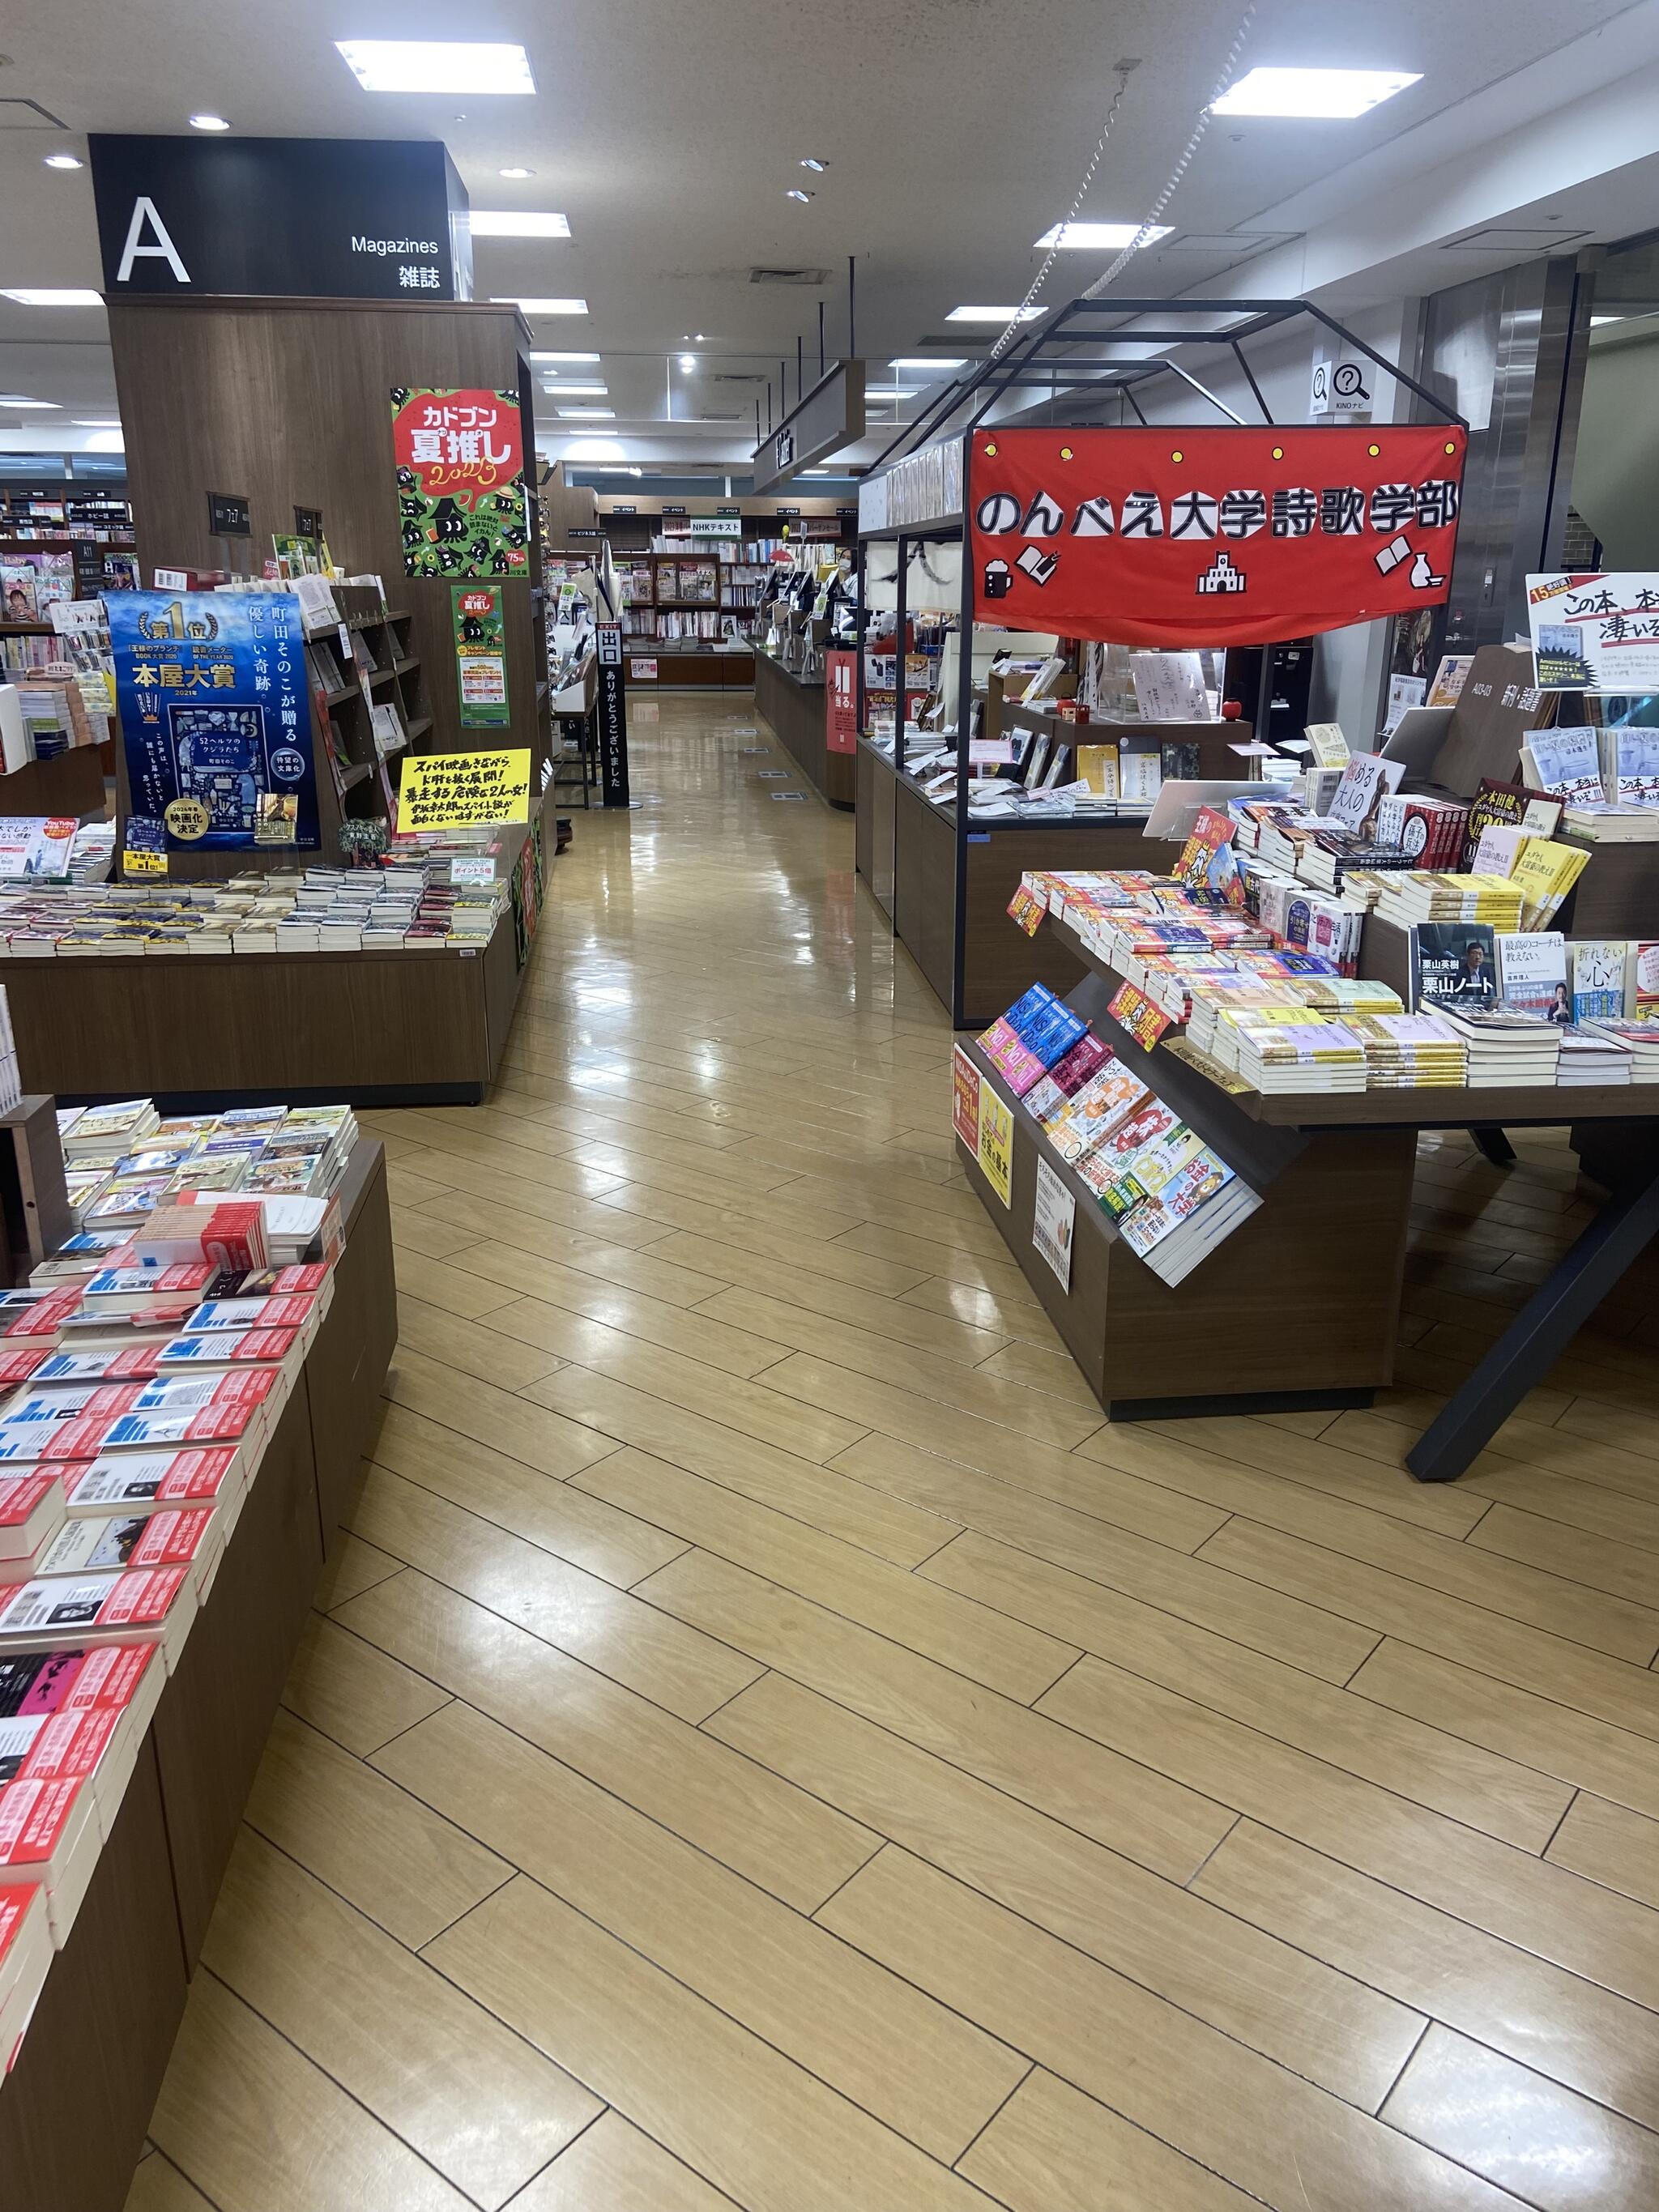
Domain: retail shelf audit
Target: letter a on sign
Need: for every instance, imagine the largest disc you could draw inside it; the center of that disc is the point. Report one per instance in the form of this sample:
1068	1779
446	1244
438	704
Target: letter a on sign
144	211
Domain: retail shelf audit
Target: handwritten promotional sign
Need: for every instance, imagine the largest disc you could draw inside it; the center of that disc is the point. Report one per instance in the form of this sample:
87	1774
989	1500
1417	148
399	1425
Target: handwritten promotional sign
1145	1022
996	1143
215	722
1211	537
460	488
459	791
1597	633
965	1099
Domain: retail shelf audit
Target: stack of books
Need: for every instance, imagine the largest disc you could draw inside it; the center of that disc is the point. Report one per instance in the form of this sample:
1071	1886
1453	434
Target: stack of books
1303	1056
1590	1057
122	1162
1421	896
1409	1052
1036	1031
1507	1048
1641	1040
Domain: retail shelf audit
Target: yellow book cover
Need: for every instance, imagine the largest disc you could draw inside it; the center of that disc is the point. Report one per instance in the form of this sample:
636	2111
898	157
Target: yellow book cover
1096	765
1544	874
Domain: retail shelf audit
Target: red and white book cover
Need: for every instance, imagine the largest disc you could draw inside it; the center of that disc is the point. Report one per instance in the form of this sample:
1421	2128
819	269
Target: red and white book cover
104	1363
171	1538
223	1415
229	1347
61	1747
31	1512
41	1824
25	1952
152	1482
18	1365
119	1288
135	1602
46	1316
286	1312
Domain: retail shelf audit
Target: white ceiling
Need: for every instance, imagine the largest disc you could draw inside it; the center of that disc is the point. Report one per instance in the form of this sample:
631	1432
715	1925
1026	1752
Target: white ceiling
669	133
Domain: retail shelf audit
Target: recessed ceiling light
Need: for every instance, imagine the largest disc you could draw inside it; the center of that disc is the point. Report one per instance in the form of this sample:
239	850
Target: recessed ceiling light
1338	93
207	122
924	361
539	306
1596	321
995	314
510	222
594	449
16	400
578	391
63	161
33	296
447	65
687	363
515	173
564	356
893	390
812	162
795	193
98	422
1080	236
587	413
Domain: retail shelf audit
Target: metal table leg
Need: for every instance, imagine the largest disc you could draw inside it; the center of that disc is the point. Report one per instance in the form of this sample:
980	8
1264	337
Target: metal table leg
1492	1144
1539	1334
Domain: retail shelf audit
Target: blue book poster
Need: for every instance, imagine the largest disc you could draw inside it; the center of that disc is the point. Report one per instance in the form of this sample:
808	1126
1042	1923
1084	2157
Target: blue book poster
215	719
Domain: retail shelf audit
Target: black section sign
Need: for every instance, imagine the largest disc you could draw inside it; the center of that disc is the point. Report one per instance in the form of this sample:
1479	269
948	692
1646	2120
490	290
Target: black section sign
333	218
228	514
611	709
308	522
586	531
673	510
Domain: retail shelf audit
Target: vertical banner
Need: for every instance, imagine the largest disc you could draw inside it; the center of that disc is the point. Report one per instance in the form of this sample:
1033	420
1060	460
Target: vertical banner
216	724
1212	537
841	701
611	709
481	655
460	489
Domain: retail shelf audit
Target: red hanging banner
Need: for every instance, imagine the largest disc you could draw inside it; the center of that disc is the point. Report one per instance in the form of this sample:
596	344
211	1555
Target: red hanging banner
1222	537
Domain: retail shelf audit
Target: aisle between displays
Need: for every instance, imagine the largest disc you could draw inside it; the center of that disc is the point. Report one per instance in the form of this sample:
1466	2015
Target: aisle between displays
189	1393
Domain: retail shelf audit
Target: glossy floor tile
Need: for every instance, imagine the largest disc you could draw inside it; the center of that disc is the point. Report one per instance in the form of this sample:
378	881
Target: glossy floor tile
766	1742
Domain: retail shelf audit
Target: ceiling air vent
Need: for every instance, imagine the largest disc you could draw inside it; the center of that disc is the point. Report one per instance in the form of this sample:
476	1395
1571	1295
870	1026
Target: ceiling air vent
811	276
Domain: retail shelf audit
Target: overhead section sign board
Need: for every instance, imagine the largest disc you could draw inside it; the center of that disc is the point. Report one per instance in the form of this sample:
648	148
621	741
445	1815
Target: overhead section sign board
305	218
829	420
1211	537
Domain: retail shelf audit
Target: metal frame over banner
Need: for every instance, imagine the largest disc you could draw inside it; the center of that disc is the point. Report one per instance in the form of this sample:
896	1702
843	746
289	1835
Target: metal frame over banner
1156	534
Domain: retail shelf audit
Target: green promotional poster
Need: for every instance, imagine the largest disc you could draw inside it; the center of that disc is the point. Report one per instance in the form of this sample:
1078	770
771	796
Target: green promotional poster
481	655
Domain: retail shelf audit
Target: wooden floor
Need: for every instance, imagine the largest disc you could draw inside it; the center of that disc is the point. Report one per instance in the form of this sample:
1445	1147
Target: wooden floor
767	1743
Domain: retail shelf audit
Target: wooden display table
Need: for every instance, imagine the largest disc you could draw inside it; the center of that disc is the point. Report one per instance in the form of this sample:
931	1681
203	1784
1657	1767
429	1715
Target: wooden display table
75	2109
795	708
1320	1262
906	854
69	782
372	1029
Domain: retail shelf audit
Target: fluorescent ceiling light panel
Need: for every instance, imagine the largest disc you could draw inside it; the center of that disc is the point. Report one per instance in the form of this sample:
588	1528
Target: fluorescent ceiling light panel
63	161
30	295
512	222
98	422
106	442
16	399
564	356
587	413
921	362
1339	93
516	172
594	449
995	314
539	306
447	65
1101	237
574	390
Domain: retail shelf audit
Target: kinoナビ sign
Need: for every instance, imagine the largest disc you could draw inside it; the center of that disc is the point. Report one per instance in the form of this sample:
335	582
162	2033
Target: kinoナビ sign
1211	537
